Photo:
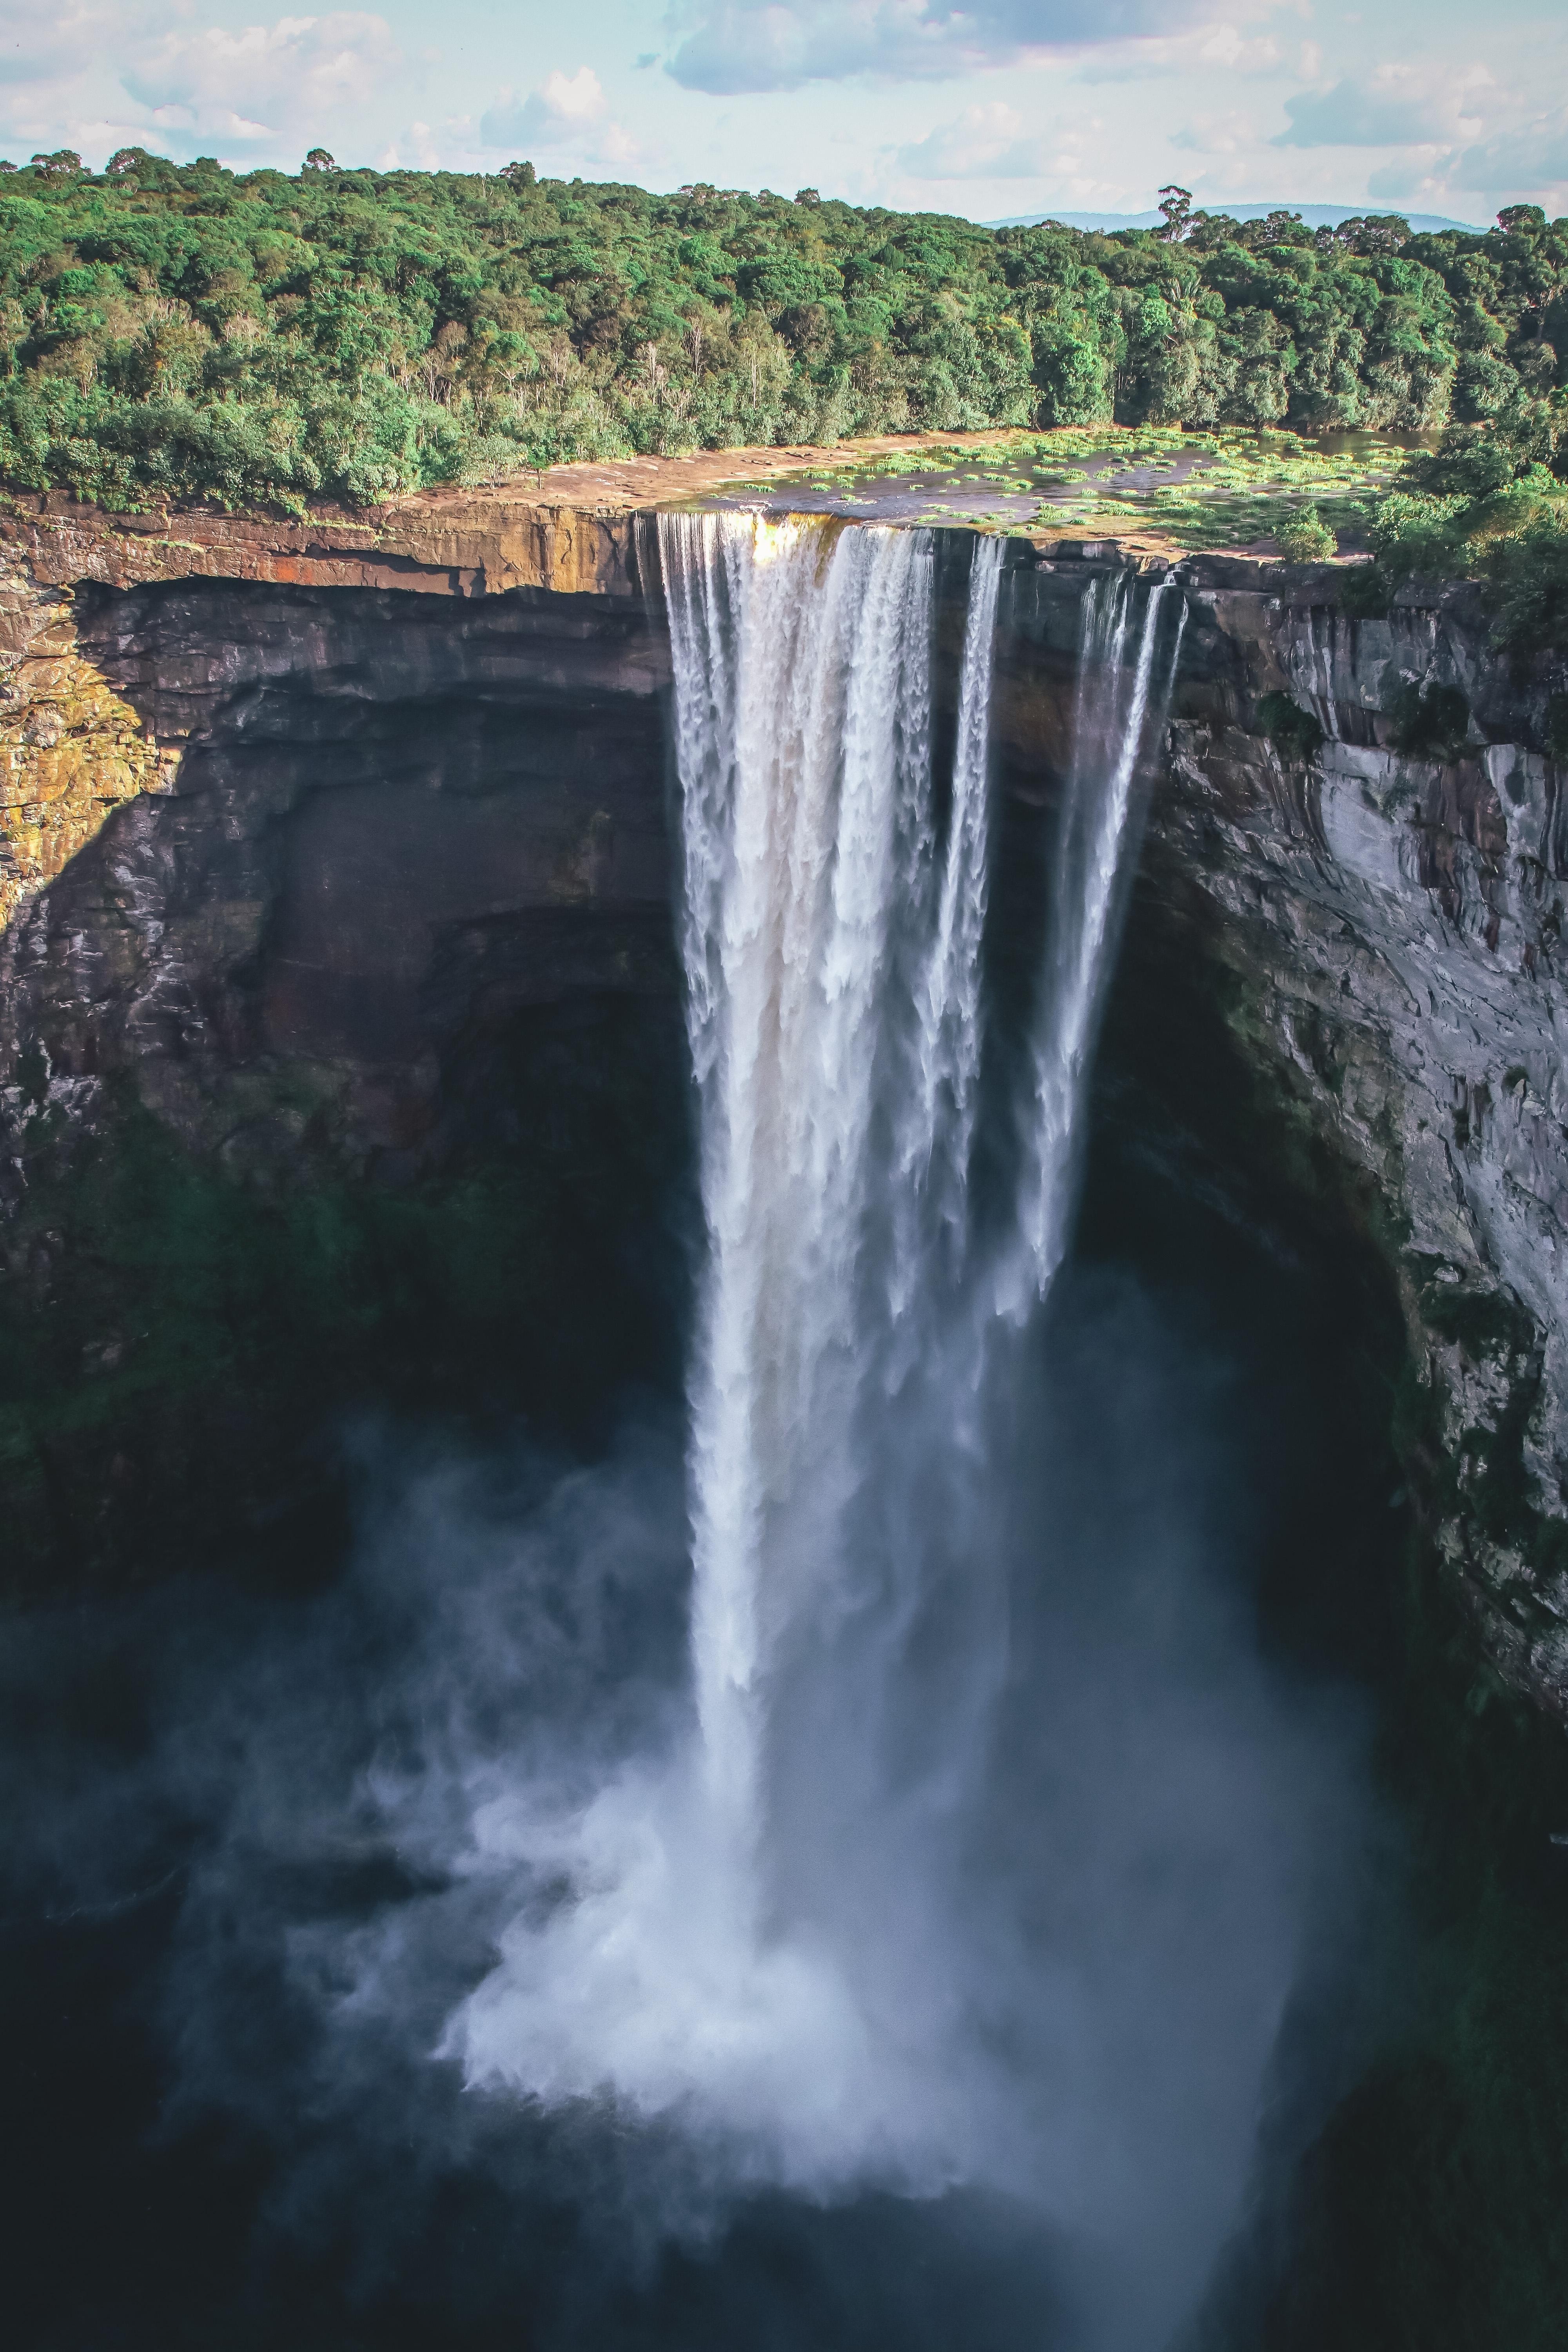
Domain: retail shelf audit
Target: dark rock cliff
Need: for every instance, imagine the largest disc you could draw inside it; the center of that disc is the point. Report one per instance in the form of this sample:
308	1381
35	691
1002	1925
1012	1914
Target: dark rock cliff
342	1059
1372	923
1383	919
390	822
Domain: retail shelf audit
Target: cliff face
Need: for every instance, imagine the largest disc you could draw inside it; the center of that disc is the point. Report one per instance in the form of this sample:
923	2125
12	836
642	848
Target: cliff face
370	824
1386	926
289	852
340	1053
71	751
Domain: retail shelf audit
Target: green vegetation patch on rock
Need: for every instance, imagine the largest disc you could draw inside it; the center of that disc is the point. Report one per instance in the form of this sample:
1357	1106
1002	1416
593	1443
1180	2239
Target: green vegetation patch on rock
1293	731
181	1340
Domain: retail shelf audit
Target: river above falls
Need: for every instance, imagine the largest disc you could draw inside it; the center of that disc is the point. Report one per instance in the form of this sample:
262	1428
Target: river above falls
1229	487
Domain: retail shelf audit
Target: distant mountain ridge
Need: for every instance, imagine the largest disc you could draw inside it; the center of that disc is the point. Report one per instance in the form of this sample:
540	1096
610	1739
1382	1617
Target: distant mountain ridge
1314	217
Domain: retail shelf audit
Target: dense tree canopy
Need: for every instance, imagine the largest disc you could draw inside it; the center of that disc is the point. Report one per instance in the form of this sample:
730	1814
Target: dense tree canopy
346	334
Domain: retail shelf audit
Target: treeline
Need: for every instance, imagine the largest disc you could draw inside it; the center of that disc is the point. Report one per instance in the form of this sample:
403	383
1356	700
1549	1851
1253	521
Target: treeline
268	339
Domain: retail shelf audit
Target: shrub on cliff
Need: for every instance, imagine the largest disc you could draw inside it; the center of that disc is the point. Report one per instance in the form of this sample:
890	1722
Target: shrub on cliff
1515	543
1305	538
1492	505
1430	721
1294	733
1528	577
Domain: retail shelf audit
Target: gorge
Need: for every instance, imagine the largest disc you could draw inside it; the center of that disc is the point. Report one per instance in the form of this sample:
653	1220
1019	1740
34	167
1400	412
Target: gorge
291	978
362	920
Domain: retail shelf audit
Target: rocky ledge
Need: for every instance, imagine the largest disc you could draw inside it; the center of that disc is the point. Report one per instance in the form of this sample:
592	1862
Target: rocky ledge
71	751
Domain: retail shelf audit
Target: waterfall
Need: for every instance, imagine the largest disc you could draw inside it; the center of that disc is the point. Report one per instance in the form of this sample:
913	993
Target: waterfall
802	667
753	1923
936	1127
1110	719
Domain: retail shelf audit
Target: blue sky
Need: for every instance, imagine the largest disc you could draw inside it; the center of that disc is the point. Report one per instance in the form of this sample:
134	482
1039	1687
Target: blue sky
1007	106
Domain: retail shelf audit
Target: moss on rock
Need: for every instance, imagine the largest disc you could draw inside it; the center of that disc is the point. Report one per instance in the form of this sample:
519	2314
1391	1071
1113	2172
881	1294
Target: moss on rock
181	1339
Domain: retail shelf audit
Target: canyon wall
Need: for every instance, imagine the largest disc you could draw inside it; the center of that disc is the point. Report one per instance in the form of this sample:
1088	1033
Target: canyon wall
296	824
1385	928
340	1045
312	832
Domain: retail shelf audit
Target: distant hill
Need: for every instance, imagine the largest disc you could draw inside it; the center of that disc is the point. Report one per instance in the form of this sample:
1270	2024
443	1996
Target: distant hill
1314	216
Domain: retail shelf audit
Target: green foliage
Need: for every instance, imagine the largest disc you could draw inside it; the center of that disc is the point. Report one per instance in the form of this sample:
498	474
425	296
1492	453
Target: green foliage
1430	722
1528	576
185	1313
175	1340
1176	213
175	329
1305	537
1294	733
1514	540
1365	594
1491	502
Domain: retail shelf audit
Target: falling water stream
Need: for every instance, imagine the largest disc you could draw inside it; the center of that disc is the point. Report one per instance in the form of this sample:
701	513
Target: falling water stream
833	937
750	1933
1111	713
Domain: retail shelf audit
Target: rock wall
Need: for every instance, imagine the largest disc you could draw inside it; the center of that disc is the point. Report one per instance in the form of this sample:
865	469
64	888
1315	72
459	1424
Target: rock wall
381	824
339	1067
1387	924
71	751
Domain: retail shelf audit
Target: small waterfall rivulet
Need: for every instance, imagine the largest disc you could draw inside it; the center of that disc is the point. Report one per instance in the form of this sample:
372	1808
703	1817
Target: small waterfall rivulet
1111	711
753	1929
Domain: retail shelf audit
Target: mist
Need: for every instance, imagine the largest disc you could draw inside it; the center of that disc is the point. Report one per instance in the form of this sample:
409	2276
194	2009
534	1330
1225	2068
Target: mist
350	1824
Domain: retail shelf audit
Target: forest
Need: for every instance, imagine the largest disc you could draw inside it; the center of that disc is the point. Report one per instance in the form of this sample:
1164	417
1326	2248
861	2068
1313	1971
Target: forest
276	339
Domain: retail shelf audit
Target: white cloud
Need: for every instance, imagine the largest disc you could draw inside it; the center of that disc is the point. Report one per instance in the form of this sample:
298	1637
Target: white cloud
568	113
415	149
1397	106
985	143
58	87
913	96
251	86
36	45
734	45
1231	134
1235	52
1533	155
565	98
991	143
1203	49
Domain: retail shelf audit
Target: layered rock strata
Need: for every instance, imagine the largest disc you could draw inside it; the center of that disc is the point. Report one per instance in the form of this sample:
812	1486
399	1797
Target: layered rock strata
379	826
1390	921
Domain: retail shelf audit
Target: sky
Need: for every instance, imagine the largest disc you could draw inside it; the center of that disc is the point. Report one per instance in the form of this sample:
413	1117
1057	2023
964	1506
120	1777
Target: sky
1003	107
